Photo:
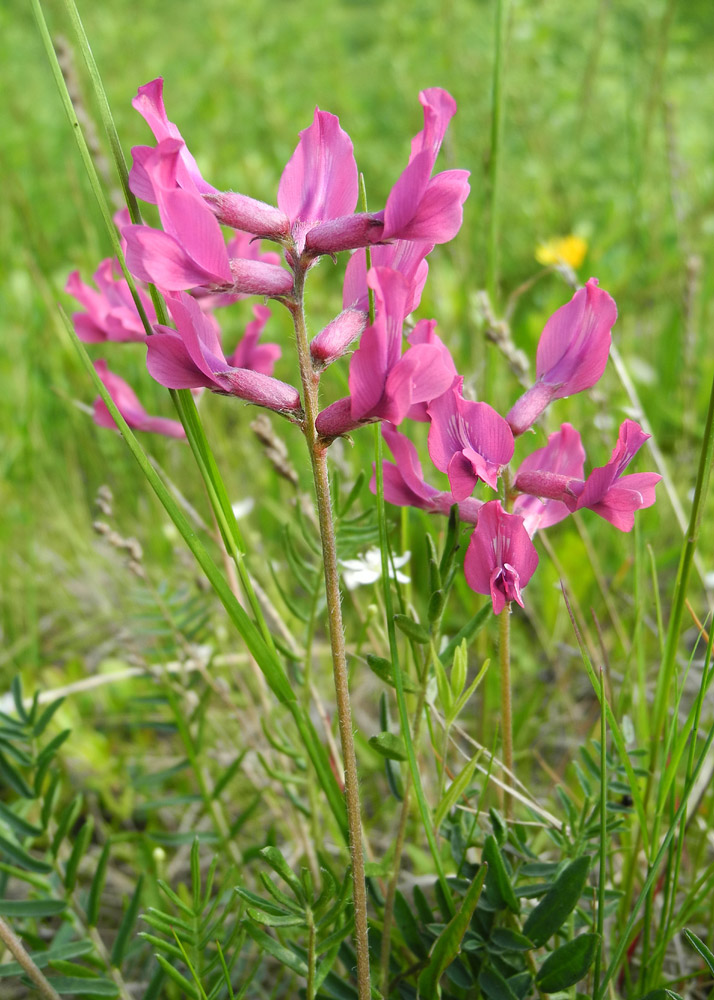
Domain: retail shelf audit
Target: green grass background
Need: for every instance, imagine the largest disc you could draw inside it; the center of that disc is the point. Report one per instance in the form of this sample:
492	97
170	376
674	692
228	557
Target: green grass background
607	132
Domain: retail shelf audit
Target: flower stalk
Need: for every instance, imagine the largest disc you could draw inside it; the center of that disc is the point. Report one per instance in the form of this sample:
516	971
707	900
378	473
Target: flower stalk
318	460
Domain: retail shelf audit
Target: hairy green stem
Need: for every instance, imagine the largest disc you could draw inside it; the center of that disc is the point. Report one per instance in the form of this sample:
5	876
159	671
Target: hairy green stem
318	459
15	946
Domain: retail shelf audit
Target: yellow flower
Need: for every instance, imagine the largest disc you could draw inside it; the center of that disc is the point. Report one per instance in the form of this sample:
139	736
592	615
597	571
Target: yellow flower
568	250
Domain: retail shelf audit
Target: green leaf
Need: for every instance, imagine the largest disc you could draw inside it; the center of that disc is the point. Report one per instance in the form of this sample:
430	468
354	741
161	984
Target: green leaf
568	964
79	849
31	907
174	974
46	717
126	926
16	688
558	903
16	823
275	919
67	820
389	745
22	858
384	670
76	985
436	606
505	939
494	986
447	945
9	776
279	865
470	629
662	994
497	874
699	946
408	927
43	958
412	629
455	790
97	886
284	955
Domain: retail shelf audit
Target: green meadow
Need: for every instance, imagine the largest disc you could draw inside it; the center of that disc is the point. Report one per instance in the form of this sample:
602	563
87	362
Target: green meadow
600	128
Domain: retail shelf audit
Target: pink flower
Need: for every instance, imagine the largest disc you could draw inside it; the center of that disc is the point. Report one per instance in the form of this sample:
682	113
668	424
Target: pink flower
110	312
547	473
421	207
319	188
130	408
572	353
192	357
191	251
249	353
469	441
610	494
149	102
384	384
404	484
403	256
501	558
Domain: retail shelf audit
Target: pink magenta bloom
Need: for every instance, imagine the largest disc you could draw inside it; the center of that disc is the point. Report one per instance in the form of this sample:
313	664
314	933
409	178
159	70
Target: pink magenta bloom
191	251
572	353
547	473
110	312
384	385
501	558
403	256
191	357
249	353
405	486
468	441
130	408
419	206
610	494
319	188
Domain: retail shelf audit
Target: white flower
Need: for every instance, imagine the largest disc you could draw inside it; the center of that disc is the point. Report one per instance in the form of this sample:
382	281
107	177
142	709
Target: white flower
367	568
243	507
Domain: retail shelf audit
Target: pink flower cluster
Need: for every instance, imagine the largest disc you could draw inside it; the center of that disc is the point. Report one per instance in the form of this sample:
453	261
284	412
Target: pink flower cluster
393	377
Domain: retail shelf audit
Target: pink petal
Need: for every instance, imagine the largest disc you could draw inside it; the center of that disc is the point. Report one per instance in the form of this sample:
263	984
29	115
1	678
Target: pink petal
575	343
337	419
438	216
154	256
171	365
149	102
320	180
404	256
419	376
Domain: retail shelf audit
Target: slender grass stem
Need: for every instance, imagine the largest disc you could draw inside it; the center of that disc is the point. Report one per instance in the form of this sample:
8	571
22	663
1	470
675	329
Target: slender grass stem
16	948
504	656
318	459
603	837
497	102
388	915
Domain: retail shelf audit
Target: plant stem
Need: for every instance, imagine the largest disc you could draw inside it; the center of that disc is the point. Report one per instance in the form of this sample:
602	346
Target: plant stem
504	656
492	279
399	847
17	949
318	459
